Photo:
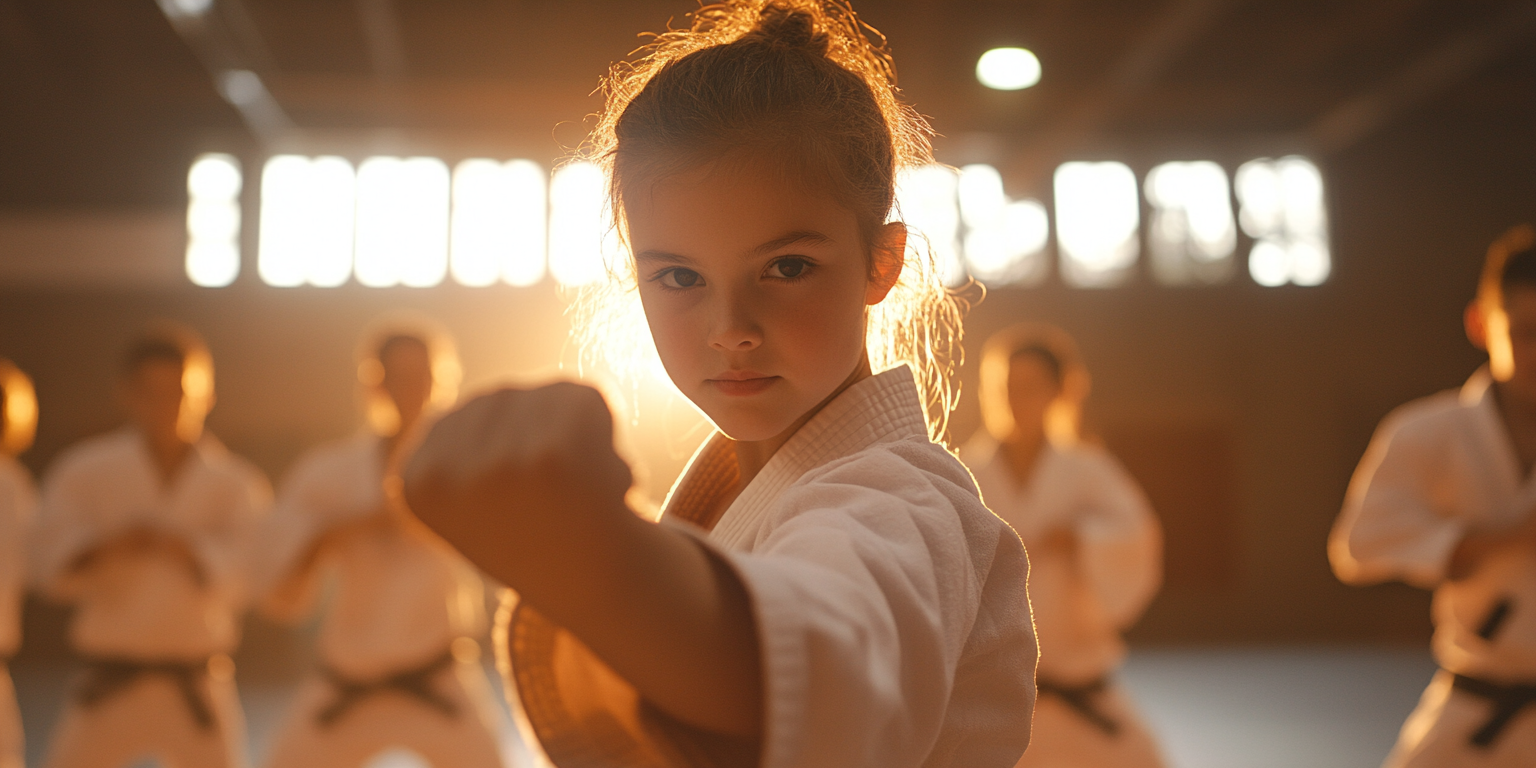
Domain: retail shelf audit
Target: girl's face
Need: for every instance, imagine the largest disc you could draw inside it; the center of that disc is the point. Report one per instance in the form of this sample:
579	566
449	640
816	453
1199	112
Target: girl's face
754	288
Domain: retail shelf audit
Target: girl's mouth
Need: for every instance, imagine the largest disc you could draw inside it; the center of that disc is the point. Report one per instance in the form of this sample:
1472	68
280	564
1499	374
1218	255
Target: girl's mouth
741	383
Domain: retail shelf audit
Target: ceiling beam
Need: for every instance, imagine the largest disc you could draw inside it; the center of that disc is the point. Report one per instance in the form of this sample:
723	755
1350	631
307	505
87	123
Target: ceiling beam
381	32
225	39
1458	58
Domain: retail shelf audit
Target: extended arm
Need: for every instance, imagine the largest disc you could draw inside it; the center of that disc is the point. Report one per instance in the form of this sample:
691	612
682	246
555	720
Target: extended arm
527	486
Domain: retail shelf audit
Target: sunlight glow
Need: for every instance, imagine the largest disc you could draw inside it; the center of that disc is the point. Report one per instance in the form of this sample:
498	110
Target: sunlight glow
498	222
1098	212
1004	239
213	220
1284	210
402	222
926	200
581	237
1192	233
18	426
1008	69
306	221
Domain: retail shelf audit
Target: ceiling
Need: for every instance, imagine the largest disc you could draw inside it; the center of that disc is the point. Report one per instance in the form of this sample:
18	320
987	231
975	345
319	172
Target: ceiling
103	102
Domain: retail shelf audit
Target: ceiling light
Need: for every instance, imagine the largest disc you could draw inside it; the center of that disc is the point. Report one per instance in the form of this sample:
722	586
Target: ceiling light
1008	69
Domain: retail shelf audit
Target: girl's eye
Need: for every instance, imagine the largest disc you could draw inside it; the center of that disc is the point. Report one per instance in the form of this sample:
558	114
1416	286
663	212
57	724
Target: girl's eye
678	278
789	268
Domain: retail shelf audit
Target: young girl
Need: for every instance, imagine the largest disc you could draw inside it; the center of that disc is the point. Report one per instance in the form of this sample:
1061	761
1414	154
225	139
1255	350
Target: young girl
398	663
18	422
825	587
1095	548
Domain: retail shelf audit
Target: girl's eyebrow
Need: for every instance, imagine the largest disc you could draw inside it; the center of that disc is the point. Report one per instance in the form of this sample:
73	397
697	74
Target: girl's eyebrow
798	237
663	256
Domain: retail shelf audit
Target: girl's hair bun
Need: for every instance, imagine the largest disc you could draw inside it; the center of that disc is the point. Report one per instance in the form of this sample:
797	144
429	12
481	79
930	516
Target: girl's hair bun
782	25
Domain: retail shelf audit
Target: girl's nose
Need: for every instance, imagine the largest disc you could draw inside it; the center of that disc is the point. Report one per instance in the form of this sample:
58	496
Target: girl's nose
734	328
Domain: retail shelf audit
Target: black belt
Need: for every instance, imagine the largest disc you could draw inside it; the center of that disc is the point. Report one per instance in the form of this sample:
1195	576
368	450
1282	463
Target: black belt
1508	700
1081	699
415	683
107	676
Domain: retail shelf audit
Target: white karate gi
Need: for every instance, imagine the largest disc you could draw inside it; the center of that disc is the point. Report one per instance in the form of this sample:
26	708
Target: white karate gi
146	608
1082	597
889	604
17	500
401	604
1436	469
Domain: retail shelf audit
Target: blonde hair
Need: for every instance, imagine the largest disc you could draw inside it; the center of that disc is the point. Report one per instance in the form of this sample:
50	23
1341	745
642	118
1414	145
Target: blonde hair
810	80
1063	422
18	409
383	417
1490	298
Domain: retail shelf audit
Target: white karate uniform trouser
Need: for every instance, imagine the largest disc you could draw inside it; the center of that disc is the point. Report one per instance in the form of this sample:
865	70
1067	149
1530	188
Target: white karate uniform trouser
149	718
11	742
1063	738
391	719
1436	734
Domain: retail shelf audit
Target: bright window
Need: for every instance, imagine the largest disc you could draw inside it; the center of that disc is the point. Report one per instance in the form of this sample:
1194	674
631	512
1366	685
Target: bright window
306	221
1284	211
498	223
1192	234
926	200
1005	239
1098	212
213	220
402	222
581	237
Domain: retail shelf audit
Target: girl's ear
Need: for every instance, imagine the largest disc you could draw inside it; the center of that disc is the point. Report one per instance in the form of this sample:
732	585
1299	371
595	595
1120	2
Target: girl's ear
888	254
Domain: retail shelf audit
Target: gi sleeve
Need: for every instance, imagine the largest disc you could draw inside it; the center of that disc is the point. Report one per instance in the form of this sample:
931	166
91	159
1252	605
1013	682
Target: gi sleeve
865	595
1390	527
1120	541
65	527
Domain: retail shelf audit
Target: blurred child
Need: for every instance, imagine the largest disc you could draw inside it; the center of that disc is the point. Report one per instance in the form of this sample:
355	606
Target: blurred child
399	663
1443	499
1095	548
18	423
825	587
145	530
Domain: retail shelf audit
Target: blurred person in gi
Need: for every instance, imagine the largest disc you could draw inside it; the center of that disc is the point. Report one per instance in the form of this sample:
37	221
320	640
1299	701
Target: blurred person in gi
145	530
1443	500
1095	547
399	664
18	423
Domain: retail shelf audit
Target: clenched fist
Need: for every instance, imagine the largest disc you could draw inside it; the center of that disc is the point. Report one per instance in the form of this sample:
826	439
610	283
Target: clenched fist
526	484
516	478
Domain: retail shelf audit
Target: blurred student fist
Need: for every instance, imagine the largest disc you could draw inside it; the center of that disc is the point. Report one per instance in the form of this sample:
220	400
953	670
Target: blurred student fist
515	470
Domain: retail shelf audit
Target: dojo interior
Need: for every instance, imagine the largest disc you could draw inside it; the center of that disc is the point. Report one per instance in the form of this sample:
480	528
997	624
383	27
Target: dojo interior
1239	392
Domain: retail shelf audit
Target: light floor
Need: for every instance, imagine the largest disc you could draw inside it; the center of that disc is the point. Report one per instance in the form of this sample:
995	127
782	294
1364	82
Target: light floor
1212	708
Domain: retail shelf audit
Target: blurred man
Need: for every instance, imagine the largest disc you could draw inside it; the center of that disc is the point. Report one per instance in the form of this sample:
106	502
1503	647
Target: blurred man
400	667
1444	500
18	423
145	531
1095	548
